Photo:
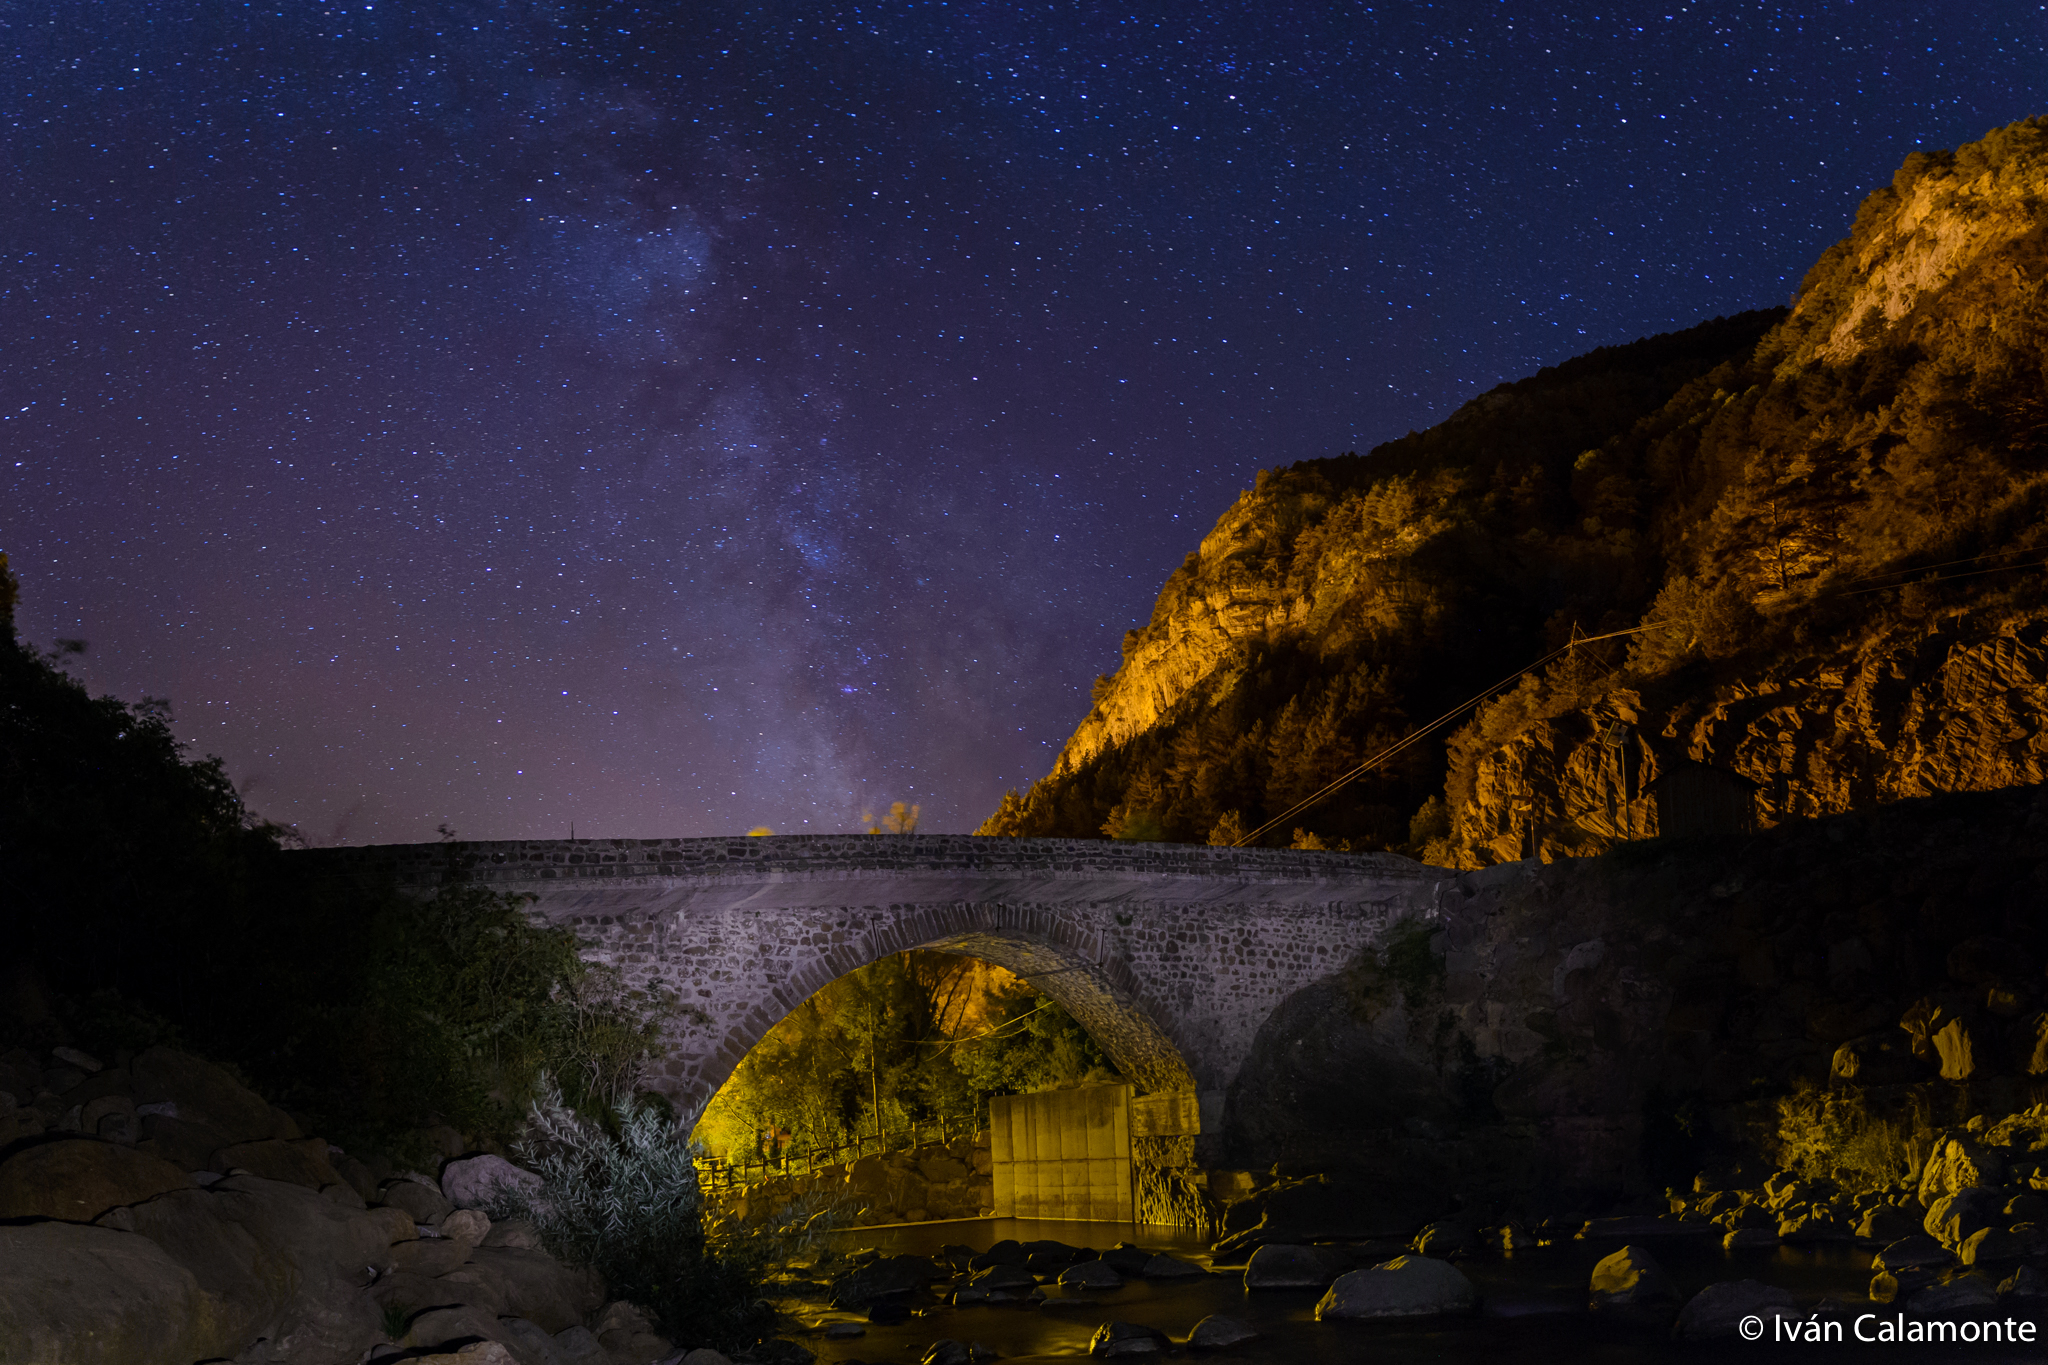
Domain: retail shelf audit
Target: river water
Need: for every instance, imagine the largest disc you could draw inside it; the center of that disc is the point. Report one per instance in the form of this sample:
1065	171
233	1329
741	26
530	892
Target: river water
1533	1306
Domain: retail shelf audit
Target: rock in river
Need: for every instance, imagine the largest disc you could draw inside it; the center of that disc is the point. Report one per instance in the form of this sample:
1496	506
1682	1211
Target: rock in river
1718	1310
1405	1287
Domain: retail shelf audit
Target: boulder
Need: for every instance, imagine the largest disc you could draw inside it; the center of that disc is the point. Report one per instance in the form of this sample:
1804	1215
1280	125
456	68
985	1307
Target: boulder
537	1286
1741	1238
1060	1250
1126	1339
1405	1287
1886	1223
1984	959
2025	1283
1164	1267
530	1345
1877	1059
355	1173
627	1334
341	1194
111	1117
474	1182
84	1295
1445	1239
479	1288
315	1259
2030	1044
1005	1252
1816	1225
424	1203
1889	1286
203	1093
1012	1277
432	1257
516	1233
1954	1217
1095	1275
1216	1331
1752	1216
185	1143
300	1162
1718	1310
1126	1259
946	1351
447	1327
1912	1253
1959	1164
1631	1278
72	1057
395	1224
1281	1266
231	1265
940	1167
703	1355
888	1275
467	1226
78	1179
1989	1245
1966	1296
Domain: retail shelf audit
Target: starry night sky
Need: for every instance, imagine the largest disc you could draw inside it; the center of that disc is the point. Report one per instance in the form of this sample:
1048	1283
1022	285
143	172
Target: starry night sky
677	418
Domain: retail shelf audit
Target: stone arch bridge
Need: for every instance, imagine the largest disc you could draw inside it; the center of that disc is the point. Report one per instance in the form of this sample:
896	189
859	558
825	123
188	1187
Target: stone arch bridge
1171	956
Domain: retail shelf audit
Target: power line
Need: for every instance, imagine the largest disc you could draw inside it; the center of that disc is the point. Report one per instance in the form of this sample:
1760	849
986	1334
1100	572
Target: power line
1316	797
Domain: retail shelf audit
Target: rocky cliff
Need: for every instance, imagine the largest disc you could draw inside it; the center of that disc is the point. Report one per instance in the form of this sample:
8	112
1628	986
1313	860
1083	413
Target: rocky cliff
1822	531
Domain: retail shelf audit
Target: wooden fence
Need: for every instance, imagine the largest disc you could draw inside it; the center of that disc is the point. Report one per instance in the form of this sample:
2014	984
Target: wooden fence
719	1175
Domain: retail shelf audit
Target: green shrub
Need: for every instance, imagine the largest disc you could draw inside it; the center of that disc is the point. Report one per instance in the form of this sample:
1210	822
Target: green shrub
622	1200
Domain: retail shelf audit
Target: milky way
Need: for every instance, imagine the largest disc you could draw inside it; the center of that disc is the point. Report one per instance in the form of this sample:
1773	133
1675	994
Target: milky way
671	419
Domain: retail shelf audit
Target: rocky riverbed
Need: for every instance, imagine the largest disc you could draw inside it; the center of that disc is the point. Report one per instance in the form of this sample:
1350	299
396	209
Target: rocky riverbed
1627	1288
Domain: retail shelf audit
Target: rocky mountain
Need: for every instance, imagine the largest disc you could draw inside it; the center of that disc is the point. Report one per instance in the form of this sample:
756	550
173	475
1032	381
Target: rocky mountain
1820	529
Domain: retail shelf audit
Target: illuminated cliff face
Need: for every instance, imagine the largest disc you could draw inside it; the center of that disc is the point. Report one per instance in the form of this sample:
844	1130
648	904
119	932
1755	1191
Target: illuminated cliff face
1826	517
1941	253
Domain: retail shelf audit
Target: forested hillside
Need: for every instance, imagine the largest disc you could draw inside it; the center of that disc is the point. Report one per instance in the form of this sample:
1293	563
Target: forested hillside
1828	519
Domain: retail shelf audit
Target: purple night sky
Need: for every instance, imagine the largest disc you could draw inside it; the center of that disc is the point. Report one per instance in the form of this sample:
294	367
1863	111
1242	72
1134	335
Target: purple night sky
676	418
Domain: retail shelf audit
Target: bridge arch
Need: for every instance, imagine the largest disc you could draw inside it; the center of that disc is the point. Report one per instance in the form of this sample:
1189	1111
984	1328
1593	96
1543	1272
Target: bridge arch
1052	952
1170	955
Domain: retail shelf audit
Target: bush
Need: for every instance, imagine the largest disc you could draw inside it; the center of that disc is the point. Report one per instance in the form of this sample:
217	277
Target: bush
466	1008
623	1201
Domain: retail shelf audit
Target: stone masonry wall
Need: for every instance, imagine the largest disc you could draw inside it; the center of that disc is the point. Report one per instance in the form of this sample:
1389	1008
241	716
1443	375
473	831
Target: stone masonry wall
1171	955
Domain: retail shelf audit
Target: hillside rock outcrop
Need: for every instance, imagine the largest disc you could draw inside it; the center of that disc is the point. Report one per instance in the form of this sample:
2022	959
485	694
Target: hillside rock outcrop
1800	550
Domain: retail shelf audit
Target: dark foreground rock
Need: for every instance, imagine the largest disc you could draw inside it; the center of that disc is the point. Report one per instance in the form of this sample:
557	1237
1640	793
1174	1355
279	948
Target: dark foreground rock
1717	1311
879	1279
214	1229
1631	1278
1126	1339
1405	1287
1293	1267
1216	1331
